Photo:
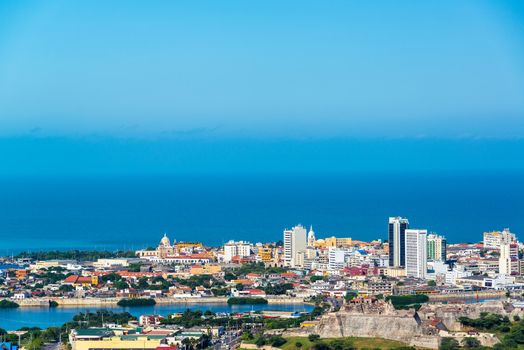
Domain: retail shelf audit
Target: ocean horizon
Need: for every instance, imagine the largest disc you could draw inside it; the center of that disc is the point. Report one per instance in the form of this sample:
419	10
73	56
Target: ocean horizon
109	213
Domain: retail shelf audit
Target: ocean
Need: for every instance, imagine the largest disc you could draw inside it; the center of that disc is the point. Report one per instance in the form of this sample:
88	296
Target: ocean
134	212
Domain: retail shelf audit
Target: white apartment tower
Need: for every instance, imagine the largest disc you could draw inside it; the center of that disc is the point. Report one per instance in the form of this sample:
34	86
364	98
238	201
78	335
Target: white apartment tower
416	255
508	260
294	243
232	249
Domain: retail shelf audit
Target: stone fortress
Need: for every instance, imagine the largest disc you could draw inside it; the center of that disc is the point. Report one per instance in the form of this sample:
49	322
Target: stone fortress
424	328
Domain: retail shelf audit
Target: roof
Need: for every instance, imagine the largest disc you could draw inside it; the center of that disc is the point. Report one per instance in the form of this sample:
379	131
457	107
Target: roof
71	279
93	332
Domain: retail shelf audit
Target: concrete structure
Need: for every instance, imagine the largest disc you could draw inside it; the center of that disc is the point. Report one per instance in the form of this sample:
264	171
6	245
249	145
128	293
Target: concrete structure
397	245
337	258
509	254
101	338
416	258
294	242
232	249
493	239
436	247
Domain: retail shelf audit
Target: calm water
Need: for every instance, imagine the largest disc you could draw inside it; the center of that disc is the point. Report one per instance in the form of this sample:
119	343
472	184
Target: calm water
13	319
133	213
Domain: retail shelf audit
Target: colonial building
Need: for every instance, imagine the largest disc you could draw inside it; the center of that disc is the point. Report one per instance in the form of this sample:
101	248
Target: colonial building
163	250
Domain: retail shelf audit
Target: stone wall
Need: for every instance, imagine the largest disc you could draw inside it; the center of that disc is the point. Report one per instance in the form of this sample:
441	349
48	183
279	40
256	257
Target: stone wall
402	327
449	313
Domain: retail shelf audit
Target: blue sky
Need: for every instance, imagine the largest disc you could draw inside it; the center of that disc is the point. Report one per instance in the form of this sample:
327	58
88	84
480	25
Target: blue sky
193	77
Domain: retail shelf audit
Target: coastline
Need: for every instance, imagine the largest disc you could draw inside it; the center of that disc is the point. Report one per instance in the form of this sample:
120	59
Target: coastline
112	302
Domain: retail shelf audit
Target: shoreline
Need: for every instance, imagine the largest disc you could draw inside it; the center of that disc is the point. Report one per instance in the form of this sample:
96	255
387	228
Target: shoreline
112	302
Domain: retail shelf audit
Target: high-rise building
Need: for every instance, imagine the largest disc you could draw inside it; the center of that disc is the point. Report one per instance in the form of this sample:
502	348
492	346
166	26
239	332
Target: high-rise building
396	239
232	249
311	237
509	254
337	258
416	257
437	247
294	242
493	239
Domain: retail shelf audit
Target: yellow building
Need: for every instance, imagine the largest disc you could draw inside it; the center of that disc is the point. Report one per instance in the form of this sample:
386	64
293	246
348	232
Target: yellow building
265	254
182	245
205	269
393	271
97	338
334	242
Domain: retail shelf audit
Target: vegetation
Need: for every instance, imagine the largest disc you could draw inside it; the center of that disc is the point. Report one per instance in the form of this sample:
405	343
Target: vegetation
82	255
7	304
511	335
53	303
259	268
136	302
449	344
66	288
471	343
350	296
246	301
348	343
278	289
486	321
407	301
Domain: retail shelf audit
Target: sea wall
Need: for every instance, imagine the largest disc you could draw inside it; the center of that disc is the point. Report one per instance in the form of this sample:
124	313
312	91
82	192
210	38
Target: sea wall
97	302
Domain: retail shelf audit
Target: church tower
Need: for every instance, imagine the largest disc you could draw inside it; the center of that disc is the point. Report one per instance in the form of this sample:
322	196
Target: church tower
311	237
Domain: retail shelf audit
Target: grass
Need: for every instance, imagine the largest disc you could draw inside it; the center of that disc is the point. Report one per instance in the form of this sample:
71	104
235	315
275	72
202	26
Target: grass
360	343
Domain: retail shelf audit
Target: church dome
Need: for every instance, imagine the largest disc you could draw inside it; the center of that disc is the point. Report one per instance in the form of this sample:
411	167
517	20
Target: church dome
165	241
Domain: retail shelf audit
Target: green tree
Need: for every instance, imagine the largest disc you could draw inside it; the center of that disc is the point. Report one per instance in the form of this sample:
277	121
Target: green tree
449	344
471	342
260	342
121	285
313	337
66	288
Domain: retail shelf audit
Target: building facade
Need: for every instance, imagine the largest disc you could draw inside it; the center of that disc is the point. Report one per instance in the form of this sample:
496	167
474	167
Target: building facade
294	243
232	249
397	245
436	247
509	254
416	256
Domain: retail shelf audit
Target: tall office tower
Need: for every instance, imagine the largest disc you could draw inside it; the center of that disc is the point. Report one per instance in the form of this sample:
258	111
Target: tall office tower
437	247
311	237
397	244
416	257
294	243
509	254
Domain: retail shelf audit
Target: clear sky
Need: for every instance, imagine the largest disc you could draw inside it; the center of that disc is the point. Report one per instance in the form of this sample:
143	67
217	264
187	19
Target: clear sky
260	85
